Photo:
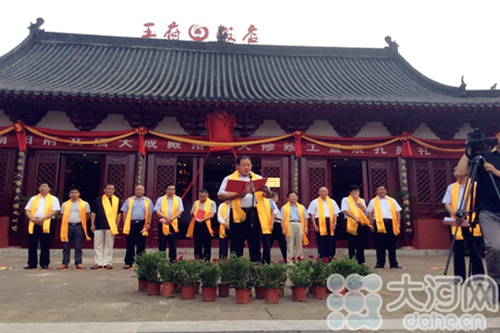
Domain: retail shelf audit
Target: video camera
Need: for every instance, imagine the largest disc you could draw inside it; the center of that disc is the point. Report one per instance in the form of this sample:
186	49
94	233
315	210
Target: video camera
478	143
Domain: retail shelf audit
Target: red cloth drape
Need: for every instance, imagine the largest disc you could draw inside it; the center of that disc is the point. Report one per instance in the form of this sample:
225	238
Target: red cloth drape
220	128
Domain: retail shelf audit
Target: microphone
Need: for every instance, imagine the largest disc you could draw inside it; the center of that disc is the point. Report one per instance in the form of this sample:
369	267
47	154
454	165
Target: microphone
250	175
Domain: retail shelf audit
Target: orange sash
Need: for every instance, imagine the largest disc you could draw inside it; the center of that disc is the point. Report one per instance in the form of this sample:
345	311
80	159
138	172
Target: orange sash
128	217
164	209
48	209
379	218
206	207
303	221
476	232
352	226
322	217
111	212
65	219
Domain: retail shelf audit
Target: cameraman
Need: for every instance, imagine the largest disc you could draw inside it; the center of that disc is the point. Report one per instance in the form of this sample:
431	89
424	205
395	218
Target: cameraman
489	205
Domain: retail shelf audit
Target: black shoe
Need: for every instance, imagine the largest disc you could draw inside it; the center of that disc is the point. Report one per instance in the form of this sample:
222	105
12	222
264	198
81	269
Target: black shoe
45	267
29	267
378	266
397	267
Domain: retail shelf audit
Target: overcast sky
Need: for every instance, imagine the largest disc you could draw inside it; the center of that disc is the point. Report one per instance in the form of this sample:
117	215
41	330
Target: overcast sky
442	39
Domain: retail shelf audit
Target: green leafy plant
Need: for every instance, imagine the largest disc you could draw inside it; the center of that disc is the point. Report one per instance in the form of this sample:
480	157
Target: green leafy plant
300	273
226	271
209	274
272	275
168	272
240	277
320	271
147	264
189	271
346	267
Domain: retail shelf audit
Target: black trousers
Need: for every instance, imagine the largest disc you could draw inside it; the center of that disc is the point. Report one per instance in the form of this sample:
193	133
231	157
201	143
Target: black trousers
241	232
224	245
33	239
386	241
266	248
170	239
326	244
202	241
135	237
277	235
474	244
357	243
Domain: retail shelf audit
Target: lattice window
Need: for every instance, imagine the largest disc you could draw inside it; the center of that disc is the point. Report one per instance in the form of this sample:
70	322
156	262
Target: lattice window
165	174
3	177
116	176
440	180
379	177
271	172
317	178
46	173
423	186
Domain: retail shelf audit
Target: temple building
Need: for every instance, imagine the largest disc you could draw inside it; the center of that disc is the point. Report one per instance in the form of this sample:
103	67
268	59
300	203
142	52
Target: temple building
85	110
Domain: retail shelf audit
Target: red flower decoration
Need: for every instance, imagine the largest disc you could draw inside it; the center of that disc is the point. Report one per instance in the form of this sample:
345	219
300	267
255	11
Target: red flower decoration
174	261
311	256
216	259
326	260
293	258
197	257
300	259
180	258
317	259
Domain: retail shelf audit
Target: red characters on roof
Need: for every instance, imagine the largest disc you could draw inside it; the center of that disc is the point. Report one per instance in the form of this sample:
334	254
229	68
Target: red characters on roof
252	36
172	33
198	34
148	33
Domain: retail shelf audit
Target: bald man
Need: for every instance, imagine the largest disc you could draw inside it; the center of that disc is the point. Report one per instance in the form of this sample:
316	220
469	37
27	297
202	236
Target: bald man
137	211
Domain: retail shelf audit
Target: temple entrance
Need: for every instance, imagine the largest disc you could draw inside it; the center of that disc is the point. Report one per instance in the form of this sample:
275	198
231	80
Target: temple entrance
82	171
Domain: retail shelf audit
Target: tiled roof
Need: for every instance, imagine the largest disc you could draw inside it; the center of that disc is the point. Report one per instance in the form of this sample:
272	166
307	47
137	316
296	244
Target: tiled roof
57	64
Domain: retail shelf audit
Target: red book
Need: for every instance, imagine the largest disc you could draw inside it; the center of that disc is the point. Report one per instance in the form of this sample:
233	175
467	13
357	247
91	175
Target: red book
200	214
240	186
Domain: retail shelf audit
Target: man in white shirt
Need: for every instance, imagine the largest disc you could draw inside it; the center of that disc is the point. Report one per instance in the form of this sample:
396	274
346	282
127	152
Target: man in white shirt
385	212
324	222
223	212
245	222
201	227
40	210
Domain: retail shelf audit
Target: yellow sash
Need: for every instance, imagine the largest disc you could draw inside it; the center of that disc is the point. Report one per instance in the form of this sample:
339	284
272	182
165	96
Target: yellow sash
128	217
223	212
322	218
303	221
352	226
65	219
263	208
476	232
206	207
111	212
379	218
48	209
164	209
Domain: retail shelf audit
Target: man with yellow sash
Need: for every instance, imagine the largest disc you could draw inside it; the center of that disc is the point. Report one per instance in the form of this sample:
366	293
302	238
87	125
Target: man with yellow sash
294	219
74	215
323	213
354	210
385	212
472	236
168	208
200	227
40	210
250	212
137	212
223	212
104	219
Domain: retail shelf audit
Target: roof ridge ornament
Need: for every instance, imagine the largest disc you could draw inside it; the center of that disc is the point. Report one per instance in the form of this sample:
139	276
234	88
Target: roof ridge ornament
35	27
392	44
221	34
462	92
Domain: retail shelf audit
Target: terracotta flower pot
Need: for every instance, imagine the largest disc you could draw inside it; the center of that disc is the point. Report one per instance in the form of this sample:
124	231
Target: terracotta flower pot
188	292
319	292
260	293
243	296
224	290
154	288
208	294
272	295
299	294
143	284
167	289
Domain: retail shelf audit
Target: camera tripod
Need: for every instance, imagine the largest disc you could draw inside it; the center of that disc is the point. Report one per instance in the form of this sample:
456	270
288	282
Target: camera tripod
468	197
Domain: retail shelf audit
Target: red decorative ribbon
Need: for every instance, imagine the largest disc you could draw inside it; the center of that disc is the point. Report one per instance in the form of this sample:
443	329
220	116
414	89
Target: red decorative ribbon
298	135
21	135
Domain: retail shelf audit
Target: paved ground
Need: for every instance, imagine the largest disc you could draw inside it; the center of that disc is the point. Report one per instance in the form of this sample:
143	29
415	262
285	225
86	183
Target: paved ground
108	300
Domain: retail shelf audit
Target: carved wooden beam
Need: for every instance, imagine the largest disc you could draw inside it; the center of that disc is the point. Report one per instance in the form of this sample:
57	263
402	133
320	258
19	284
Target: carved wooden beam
348	126
398	124
446	126
30	114
84	118
247	124
297	120
193	122
141	117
